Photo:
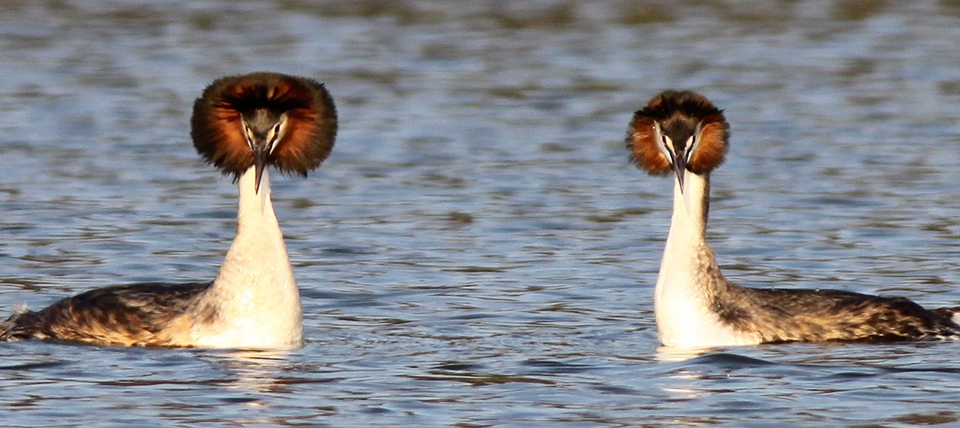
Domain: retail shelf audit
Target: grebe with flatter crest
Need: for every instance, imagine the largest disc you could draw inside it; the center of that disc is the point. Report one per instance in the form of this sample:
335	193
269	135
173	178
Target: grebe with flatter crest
242	125
682	134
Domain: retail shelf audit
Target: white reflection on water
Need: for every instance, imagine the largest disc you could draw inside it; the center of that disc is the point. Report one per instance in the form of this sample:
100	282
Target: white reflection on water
672	354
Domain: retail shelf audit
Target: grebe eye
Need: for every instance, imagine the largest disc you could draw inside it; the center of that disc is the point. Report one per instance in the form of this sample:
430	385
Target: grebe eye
691	147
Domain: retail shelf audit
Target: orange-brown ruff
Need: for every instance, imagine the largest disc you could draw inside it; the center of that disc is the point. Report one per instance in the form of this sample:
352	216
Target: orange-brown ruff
242	125
681	133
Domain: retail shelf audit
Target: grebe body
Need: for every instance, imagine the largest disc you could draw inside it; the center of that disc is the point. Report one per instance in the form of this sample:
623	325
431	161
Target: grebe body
242	125
682	134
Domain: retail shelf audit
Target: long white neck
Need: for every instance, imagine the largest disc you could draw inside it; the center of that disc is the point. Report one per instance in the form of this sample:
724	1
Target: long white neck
689	278
255	297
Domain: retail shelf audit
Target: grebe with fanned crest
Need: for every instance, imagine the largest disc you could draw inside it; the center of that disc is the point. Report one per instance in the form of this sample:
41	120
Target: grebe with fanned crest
242	125
682	134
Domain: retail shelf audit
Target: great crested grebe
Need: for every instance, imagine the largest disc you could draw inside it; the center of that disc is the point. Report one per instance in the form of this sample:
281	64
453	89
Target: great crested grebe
242	125
681	133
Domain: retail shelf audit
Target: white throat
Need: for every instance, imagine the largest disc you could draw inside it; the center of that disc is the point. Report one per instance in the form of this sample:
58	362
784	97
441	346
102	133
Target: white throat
255	297
689	277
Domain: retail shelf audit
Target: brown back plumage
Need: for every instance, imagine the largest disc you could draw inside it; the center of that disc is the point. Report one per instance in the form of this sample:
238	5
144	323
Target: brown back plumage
125	315
311	115
678	113
792	315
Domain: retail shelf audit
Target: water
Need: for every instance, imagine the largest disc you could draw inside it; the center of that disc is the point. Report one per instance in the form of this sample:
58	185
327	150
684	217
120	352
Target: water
477	250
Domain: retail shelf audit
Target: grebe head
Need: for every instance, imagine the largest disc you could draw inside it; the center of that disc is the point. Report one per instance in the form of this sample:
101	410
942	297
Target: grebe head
678	131
263	119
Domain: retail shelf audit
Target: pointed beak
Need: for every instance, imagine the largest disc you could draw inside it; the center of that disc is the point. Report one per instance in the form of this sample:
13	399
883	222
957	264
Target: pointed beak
259	165
679	167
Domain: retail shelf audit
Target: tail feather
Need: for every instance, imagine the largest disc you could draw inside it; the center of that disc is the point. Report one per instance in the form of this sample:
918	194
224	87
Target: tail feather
952	314
10	330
